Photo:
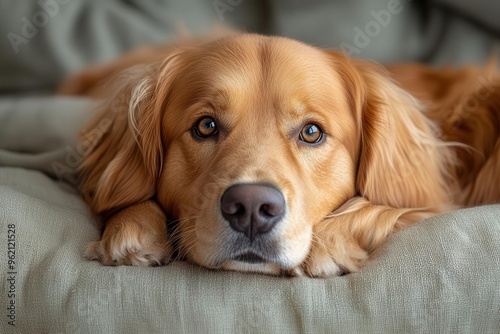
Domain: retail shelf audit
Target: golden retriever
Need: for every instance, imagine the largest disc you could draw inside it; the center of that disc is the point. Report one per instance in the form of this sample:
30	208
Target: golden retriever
269	155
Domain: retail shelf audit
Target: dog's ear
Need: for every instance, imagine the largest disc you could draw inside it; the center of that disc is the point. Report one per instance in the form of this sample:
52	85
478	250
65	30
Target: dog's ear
125	149
401	161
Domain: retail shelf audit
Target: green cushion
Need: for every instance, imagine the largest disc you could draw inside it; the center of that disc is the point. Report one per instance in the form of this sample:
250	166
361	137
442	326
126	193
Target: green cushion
441	275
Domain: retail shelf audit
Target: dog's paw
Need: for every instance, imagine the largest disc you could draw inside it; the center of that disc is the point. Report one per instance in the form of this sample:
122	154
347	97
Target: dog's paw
321	265
130	246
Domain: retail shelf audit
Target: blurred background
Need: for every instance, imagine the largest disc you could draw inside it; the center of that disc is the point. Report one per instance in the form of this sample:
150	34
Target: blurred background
45	40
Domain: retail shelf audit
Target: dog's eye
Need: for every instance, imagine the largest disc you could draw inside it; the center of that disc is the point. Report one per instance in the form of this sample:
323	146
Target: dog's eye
311	134
205	127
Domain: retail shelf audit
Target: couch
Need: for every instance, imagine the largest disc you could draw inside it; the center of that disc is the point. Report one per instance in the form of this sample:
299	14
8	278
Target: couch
441	275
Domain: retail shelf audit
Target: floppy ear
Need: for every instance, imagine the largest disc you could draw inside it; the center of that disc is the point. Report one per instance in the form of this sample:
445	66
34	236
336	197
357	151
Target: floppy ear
402	162
125	150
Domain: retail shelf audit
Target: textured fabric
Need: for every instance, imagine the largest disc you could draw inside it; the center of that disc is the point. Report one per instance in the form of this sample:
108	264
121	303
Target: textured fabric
44	40
441	275
41	133
36	53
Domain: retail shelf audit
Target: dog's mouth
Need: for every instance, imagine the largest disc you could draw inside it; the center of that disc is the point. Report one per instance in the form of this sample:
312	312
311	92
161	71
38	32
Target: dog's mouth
250	257
261	259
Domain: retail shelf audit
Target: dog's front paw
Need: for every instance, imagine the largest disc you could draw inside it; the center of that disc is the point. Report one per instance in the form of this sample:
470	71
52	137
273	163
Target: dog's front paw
333	259
136	236
130	251
322	265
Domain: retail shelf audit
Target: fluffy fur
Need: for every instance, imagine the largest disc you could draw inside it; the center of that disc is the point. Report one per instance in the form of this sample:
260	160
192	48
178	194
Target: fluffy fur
387	159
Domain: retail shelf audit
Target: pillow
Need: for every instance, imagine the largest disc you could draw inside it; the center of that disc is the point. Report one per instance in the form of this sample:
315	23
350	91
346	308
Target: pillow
440	275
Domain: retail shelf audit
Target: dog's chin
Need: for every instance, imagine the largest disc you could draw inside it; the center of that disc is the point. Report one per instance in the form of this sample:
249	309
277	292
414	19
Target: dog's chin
261	267
253	263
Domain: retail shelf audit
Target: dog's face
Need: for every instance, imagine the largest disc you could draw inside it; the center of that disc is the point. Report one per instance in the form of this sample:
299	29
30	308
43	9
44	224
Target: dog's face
252	143
259	145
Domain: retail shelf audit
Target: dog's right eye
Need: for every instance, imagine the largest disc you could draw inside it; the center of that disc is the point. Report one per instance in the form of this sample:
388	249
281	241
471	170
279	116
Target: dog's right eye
311	134
205	127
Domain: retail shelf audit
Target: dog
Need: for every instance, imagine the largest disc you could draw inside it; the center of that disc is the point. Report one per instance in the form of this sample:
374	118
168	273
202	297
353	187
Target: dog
271	156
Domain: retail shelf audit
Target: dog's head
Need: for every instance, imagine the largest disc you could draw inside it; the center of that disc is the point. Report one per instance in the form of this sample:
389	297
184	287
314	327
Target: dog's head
248	142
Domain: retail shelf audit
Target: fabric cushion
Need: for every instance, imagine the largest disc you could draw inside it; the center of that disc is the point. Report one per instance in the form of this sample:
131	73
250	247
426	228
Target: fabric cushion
441	275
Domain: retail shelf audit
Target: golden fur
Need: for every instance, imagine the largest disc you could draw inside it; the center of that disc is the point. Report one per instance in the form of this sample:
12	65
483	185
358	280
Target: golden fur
387	160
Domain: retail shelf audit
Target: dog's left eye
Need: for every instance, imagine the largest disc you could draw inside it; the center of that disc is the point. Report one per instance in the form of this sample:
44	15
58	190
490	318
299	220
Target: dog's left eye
311	134
205	127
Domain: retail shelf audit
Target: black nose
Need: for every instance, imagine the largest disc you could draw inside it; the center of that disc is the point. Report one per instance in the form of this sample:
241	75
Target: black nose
252	208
